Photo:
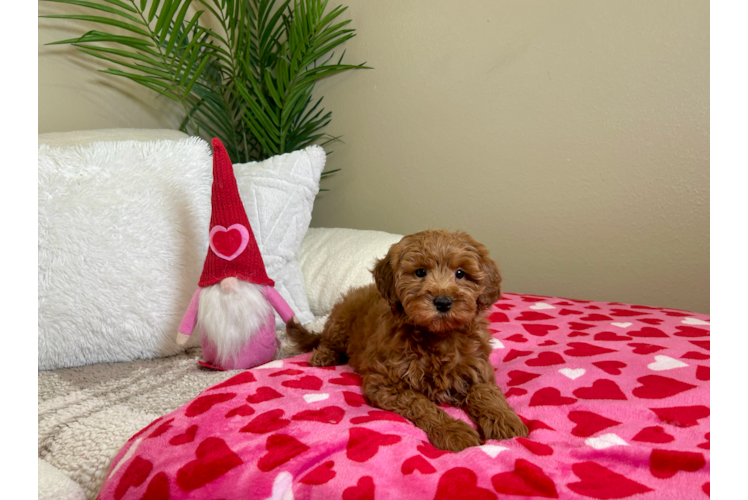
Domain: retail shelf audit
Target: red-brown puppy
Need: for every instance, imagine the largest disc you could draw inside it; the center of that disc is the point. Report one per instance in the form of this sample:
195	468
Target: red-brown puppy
418	338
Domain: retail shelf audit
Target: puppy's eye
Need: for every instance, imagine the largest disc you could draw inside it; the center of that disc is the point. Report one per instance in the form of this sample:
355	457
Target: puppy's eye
420	273
460	274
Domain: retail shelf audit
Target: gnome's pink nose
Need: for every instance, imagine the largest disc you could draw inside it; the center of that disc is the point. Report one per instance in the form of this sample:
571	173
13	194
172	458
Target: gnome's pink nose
229	285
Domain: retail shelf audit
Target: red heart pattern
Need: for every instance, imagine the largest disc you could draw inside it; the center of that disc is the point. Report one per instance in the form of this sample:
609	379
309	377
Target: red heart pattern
364	443
158	488
666	463
611	367
550	396
213	459
309	382
546	358
518	377
205	403
269	421
597	481
579	376
326	415
589	423
187	436
527	479
280	449
363	490
600	389
659	387
416	463
135	475
461	483
263	394
375	415
655	434
320	475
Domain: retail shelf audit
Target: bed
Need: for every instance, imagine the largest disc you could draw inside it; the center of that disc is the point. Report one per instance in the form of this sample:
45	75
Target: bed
616	398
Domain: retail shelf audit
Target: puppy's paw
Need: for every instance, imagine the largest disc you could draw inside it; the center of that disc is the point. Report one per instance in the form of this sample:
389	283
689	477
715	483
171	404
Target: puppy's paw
324	356
501	425
454	435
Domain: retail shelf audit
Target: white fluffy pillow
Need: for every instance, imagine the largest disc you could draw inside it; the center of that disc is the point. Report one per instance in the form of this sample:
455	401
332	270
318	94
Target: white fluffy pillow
334	260
123	237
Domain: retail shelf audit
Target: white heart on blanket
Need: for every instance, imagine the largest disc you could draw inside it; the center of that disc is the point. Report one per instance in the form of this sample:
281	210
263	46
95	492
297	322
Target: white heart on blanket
605	441
694	321
542	305
312	398
665	363
572	373
277	363
282	487
492	449
622	325
496	344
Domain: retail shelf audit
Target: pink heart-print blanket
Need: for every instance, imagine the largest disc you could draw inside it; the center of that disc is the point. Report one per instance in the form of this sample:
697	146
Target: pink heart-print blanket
616	398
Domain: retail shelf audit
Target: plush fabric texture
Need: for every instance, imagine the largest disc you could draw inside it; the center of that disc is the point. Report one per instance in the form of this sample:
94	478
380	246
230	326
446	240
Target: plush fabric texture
233	250
122	239
121	243
334	260
616	398
87	413
53	484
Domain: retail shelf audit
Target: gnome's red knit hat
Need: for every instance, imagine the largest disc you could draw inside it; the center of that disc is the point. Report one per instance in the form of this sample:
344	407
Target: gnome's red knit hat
233	250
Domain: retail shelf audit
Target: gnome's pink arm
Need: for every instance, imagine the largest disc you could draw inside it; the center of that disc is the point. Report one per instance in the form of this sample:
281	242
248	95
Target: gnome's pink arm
278	303
189	320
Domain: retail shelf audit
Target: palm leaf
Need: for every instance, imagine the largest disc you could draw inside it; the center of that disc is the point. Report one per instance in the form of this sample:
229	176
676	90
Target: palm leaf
245	74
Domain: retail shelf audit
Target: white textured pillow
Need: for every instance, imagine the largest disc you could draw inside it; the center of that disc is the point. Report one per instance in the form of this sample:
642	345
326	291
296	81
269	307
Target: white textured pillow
334	260
123	237
278	196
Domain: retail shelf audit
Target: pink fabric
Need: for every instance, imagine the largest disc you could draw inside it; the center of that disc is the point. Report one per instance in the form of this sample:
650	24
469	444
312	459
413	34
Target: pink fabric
260	349
189	320
616	398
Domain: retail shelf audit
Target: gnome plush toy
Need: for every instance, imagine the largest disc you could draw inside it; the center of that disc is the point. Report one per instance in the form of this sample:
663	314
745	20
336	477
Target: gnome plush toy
233	306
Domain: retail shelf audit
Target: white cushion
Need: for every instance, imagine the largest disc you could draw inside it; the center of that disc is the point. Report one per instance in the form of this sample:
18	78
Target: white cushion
123	230
335	260
86	137
53	484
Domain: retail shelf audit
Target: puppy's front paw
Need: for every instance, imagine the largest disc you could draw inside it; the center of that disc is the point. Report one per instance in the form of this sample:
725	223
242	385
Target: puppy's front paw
324	356
454	435
501	425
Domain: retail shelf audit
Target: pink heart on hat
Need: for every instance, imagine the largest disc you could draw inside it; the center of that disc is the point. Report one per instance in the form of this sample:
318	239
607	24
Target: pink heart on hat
228	243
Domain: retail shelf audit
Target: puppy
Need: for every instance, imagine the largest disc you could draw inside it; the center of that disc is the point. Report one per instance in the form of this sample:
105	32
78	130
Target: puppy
418	338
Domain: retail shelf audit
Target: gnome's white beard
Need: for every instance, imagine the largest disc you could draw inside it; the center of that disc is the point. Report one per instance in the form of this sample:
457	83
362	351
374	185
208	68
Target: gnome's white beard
230	317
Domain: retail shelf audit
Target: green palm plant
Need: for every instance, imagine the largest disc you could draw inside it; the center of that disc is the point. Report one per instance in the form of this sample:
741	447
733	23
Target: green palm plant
245	76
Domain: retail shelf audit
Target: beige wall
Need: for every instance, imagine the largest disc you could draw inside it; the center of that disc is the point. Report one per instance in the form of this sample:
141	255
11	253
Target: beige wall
571	137
74	96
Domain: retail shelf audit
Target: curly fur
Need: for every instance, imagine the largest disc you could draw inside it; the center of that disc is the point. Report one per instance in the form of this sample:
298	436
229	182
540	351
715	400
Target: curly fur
413	356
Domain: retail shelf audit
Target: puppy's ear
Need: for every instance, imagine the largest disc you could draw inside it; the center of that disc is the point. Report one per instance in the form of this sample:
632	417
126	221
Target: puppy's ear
491	279
384	278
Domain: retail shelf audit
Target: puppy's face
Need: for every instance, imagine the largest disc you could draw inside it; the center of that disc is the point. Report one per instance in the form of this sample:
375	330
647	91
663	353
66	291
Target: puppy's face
440	280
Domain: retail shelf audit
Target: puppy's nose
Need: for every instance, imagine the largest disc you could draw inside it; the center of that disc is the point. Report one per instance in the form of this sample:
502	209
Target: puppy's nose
443	304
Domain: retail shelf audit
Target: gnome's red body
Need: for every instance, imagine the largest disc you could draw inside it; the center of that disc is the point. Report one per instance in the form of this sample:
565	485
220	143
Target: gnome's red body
233	306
